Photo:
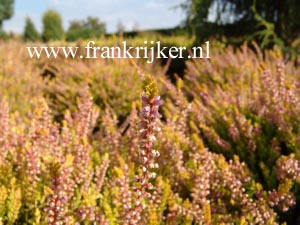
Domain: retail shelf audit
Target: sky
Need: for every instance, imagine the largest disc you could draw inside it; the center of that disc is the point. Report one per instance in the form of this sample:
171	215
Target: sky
144	14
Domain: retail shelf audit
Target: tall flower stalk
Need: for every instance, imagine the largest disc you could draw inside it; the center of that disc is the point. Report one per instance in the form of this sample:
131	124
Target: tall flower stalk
148	127
147	154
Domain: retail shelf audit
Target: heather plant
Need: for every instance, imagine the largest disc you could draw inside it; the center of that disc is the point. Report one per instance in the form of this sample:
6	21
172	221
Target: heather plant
249	110
102	142
112	79
16	82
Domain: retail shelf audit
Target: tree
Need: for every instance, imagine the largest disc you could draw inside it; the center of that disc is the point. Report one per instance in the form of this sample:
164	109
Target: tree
94	24
237	17
84	29
30	32
52	26
6	10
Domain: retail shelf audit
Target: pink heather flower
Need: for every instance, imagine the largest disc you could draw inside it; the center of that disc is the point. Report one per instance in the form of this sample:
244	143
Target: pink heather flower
287	168
147	155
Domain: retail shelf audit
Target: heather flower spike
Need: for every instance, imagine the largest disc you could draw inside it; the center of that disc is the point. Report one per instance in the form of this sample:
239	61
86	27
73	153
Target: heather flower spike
148	127
150	103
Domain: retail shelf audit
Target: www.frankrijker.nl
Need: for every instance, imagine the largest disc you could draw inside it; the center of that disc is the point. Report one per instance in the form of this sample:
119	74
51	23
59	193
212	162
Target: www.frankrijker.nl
149	51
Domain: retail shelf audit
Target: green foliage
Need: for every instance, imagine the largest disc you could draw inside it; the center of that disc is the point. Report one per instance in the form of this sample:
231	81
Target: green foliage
3	35
280	19
85	29
52	26
30	33
6	10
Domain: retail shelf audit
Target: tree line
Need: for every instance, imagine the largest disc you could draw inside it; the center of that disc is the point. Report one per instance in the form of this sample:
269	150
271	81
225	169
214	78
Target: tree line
268	22
53	30
52	26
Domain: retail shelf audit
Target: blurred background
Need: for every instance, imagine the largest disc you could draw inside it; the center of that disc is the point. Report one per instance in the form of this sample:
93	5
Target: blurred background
266	23
131	15
234	22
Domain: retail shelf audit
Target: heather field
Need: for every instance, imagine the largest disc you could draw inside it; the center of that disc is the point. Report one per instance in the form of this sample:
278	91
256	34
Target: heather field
117	141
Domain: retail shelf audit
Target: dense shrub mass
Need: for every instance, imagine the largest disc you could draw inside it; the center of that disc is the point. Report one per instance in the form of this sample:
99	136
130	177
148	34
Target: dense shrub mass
85	29
103	142
30	33
52	26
